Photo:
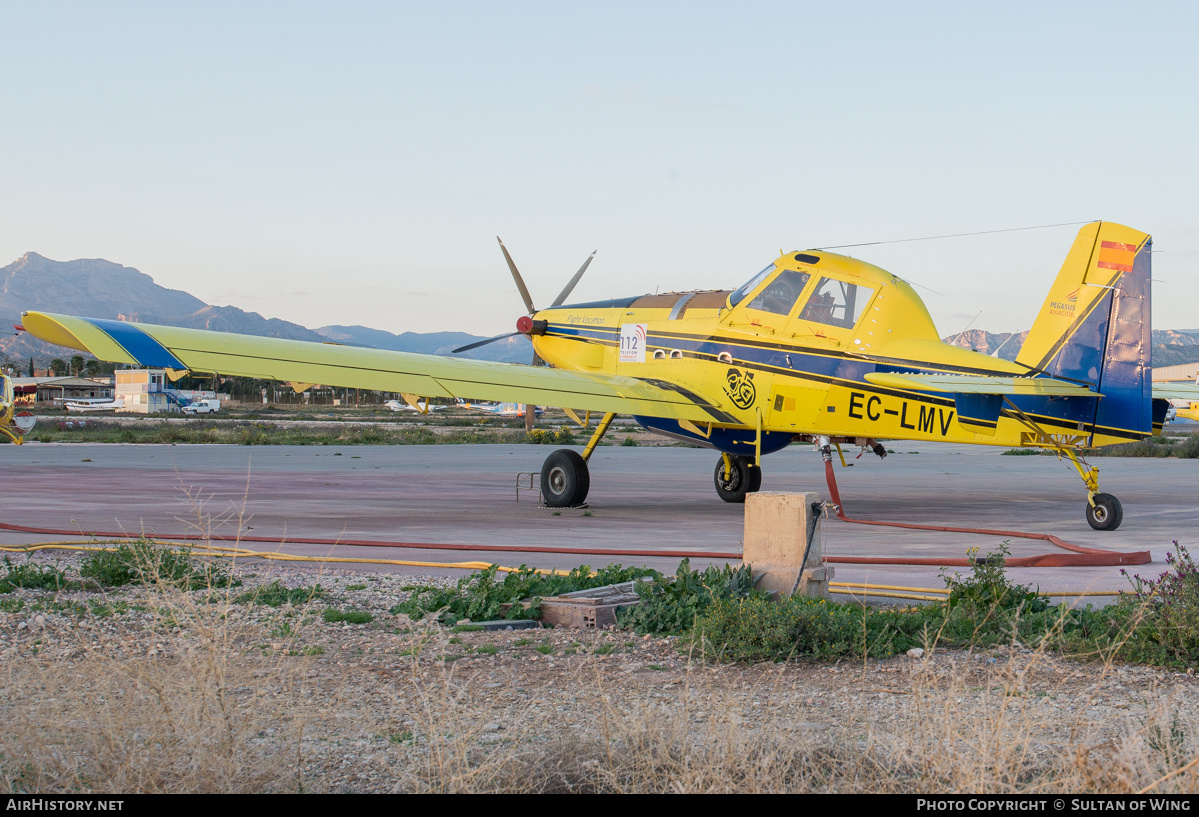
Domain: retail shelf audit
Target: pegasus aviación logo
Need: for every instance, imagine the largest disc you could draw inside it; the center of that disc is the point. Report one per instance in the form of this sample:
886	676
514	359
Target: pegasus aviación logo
1068	305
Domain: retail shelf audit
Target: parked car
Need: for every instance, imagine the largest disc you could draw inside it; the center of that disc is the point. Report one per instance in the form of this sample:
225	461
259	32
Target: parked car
202	407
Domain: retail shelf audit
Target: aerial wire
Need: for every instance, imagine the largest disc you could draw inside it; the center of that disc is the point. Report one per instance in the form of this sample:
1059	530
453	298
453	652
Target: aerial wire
957	235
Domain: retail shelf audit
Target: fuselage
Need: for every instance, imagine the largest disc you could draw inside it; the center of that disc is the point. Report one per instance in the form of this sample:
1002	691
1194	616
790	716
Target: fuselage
790	351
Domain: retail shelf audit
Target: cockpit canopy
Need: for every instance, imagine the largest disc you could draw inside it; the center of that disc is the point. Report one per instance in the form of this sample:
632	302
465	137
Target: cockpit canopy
830	301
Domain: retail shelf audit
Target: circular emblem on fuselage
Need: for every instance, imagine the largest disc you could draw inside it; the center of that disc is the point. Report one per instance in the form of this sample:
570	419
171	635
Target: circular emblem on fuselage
739	386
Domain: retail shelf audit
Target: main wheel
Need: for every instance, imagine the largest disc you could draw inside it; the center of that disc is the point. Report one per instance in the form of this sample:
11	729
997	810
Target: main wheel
565	480
737	484
755	477
1106	514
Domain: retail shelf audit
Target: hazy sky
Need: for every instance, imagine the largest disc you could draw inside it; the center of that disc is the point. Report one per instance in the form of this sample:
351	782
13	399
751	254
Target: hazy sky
353	162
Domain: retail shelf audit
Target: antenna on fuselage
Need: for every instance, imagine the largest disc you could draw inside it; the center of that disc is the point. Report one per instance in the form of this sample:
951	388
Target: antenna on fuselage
954	342
1009	337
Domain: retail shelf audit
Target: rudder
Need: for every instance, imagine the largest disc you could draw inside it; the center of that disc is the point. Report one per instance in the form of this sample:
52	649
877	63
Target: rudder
1094	327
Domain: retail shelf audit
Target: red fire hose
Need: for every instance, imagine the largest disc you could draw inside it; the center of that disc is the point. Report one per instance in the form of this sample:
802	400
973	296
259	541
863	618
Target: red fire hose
1078	556
375	543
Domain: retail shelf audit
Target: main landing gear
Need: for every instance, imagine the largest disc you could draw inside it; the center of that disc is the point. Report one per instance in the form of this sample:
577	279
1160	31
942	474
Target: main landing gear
735	477
565	479
1104	511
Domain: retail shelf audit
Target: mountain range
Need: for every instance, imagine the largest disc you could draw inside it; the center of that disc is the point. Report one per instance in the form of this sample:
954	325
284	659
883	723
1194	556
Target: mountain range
1170	346
103	289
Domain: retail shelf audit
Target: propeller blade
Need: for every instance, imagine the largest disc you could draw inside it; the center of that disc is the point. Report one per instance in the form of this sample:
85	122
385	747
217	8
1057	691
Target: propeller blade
520	282
530	414
479	343
570	286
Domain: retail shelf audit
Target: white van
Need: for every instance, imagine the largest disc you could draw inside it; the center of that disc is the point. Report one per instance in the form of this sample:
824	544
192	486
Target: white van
202	407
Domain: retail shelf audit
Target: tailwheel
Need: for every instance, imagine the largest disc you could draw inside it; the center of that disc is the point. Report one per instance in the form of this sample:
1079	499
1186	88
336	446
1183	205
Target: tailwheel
742	477
1106	514
565	479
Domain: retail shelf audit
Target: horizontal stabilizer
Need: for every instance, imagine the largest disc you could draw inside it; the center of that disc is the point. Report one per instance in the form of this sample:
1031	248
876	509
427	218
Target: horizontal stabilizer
1176	391
980	384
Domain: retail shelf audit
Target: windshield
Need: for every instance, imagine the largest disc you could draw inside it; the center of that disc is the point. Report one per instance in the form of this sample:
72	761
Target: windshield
781	294
748	287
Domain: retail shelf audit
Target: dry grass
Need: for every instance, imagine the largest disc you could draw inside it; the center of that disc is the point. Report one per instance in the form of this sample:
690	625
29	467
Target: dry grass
189	715
195	704
958	733
206	715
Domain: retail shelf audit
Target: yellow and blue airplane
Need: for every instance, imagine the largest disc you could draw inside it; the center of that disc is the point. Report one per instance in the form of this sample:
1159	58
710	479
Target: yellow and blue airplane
13	424
816	347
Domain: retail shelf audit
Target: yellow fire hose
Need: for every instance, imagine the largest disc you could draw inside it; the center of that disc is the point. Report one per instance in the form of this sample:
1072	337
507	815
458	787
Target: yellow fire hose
228	552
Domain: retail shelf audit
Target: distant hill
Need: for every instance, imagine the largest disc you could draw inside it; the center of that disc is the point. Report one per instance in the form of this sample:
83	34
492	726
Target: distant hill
987	342
103	289
1170	346
508	350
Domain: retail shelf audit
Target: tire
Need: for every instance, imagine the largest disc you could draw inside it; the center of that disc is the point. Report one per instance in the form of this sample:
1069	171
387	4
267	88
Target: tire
1107	514
565	480
755	477
737	485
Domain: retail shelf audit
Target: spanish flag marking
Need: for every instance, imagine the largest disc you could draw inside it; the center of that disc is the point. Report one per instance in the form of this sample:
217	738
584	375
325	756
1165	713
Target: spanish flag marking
1117	256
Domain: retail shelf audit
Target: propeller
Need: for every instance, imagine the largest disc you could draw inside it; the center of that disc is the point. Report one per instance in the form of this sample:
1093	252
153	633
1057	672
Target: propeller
520	282
566	290
524	324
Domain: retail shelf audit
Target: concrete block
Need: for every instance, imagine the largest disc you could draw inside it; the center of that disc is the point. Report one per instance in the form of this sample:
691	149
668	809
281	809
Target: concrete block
780	528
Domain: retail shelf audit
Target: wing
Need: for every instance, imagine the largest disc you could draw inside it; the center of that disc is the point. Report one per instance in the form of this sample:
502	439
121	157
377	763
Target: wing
173	348
1176	391
981	384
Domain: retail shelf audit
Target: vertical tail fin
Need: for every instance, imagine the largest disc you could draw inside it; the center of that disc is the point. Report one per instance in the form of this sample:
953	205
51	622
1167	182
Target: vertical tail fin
1094	327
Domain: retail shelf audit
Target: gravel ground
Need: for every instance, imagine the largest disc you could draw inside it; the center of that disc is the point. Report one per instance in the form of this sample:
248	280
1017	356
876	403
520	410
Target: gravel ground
375	696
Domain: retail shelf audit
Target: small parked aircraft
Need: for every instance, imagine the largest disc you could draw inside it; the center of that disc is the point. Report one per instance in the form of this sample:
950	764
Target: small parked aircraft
816	347
421	406
83	404
13	424
506	410
1186	404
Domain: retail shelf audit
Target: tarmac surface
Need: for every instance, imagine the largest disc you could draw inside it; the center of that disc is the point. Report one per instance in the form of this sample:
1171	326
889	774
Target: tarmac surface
650	499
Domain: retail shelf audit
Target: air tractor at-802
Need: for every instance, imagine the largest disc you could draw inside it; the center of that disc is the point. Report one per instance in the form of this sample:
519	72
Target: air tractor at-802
816	346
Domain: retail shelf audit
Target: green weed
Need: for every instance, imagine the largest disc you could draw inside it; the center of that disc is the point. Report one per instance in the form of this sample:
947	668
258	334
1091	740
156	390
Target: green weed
483	596
276	594
350	616
672	606
32	576
143	562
